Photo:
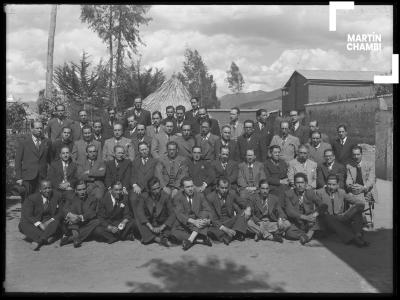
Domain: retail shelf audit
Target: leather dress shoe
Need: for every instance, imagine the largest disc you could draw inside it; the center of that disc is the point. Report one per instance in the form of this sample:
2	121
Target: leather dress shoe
304	239
64	241
226	239
240	236
257	237
207	241
130	237
50	240
186	245
277	238
35	246
77	243
360	243
164	242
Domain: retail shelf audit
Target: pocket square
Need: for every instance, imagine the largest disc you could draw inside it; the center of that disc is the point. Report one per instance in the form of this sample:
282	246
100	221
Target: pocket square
122	205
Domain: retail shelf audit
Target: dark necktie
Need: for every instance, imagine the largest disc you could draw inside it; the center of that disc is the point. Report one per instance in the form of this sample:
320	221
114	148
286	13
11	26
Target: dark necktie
301	204
65	166
251	174
359	179
46	205
172	172
333	203
224	165
91	163
265	206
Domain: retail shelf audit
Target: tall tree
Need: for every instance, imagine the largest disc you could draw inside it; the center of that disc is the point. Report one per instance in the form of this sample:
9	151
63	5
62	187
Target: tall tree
197	80
118	26
50	51
235	78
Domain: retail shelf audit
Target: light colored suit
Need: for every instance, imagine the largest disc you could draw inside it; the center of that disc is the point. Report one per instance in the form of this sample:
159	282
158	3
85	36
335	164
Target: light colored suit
163	171
94	178
159	144
151	131
288	147
236	130
79	150
309	168
108	149
369	179
317	154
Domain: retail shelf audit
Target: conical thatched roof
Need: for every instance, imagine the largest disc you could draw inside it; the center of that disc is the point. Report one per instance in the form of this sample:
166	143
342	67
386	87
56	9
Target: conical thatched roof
171	92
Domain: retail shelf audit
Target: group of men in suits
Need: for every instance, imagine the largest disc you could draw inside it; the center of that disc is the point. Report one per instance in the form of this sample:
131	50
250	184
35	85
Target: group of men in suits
186	180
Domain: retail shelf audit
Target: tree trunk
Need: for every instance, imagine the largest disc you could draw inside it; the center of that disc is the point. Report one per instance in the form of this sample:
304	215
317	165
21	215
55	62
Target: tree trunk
119	49
50	52
111	58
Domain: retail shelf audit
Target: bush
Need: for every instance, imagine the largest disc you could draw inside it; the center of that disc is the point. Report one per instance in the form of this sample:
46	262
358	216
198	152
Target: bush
11	147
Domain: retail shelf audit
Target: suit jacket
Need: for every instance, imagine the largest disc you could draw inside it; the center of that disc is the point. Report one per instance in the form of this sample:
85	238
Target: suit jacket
113	215
56	146
33	209
178	128
292	207
101	139
244	175
96	173
31	162
288	148
56	174
259	211
302	133
339	199
231	171
200	172
122	173
368	176
77	130
185	146
254	143
200	207
127	133
214	129
159	144
86	208
144	118
135	142
236	131
343	152
233	149
163	169
190	116
207	146
79	150
108	149
108	130
265	135
310	169
142	173
154	211
323	172
150	130
54	129
275	173
233	203
317	154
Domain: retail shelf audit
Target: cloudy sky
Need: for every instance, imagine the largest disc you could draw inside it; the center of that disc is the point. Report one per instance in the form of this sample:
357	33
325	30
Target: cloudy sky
267	42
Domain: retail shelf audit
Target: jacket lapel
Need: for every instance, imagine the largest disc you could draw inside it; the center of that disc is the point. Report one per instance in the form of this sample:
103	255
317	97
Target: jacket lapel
196	204
150	203
32	145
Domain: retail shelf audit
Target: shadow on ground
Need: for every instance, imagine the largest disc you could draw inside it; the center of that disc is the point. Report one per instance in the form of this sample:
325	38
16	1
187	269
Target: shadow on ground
373	263
189	275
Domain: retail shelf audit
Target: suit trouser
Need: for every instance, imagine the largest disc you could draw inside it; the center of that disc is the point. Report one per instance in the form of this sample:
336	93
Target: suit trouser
84	230
237	223
147	236
267	227
299	228
36	234
130	227
133	201
183	232
31	186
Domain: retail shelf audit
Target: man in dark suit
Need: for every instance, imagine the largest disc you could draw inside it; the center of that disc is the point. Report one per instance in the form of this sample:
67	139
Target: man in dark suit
191	115
276	172
118	169
55	125
63	174
108	130
300	205
79	217
206	140
342	145
268	221
223	167
140	136
142	116
98	132
170	112
131	131
249	140
41	215
203	116
201	172
93	170
330	166
31	159
263	131
250	174
65	140
115	216
226	141
181	119
229	214
186	141
83	122
155	214
298	130
143	167
193	215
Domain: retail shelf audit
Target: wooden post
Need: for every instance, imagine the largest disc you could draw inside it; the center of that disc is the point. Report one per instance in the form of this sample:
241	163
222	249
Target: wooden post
50	52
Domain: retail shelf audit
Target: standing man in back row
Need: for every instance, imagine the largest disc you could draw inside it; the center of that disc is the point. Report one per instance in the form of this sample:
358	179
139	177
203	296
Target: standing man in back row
287	142
142	116
56	124
191	115
234	124
298	130
263	131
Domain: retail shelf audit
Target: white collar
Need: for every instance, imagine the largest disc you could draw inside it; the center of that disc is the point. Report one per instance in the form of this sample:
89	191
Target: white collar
113	199
319	145
44	199
296	125
344	140
250	166
207	136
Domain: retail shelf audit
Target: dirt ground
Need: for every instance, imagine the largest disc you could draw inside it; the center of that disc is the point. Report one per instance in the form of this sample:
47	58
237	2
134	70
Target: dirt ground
324	266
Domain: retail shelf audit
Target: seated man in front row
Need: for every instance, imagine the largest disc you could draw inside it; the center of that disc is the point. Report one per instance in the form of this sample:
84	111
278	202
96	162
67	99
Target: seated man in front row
300	207
115	216
224	204
193	216
250	174
268	221
41	215
79	217
330	166
154	214
347	224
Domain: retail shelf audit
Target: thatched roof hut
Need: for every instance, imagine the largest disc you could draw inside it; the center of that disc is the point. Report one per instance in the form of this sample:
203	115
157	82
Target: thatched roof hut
171	92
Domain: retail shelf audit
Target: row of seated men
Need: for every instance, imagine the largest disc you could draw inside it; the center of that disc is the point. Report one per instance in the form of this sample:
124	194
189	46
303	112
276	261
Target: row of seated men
190	217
